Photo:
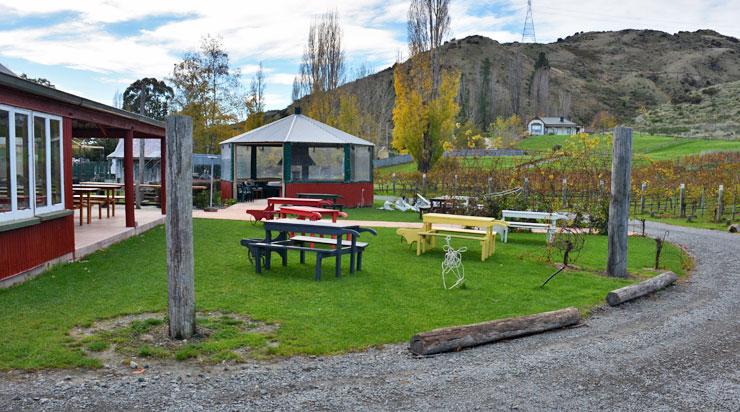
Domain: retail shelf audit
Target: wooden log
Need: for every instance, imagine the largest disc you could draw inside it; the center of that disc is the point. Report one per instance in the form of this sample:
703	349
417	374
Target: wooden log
621	295
620	202
179	227
458	337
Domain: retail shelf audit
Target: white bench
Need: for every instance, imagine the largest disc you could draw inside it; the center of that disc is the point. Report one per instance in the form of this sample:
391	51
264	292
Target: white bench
550	227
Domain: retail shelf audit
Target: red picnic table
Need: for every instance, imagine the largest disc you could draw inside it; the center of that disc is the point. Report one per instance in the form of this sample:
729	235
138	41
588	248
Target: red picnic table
310	212
270	211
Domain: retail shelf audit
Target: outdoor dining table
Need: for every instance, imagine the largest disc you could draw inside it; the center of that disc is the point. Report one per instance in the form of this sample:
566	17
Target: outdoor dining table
486	234
110	193
281	243
306	210
84	193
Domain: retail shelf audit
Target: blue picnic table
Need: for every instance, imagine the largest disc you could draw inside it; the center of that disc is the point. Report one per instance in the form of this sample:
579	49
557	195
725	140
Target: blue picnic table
342	240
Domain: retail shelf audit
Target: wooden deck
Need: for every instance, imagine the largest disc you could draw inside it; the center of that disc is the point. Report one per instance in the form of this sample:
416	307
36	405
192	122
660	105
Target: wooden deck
102	233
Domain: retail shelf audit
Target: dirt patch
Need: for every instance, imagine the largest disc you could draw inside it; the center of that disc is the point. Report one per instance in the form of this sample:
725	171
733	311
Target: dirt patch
139	339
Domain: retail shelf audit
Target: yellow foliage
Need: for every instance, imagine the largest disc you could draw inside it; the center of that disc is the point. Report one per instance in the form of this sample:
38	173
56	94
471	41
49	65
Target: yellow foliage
423	125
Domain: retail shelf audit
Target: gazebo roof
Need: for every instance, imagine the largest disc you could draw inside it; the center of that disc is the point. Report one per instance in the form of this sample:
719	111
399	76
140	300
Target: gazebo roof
297	128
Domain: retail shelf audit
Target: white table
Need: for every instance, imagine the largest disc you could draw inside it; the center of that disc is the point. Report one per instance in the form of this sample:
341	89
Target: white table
550	227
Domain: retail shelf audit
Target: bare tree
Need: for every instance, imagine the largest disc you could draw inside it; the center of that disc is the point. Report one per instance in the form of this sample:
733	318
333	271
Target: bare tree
515	82
541	91
564	103
428	25
322	68
296	92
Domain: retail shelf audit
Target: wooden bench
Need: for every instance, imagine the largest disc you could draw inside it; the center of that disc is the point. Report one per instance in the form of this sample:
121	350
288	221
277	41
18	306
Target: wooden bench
311	240
487	247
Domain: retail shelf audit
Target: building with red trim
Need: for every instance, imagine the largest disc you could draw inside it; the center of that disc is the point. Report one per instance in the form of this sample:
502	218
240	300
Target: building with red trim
297	154
37	124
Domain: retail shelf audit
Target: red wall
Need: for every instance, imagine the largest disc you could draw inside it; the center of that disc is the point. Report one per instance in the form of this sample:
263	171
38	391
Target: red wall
226	190
25	248
352	193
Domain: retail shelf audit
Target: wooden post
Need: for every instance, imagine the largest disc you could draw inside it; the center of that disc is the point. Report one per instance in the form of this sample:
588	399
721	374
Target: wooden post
619	204
643	189
179	228
162	175
720	203
526	191
140	179
701	201
424	183
490	185
393	183
128	178
565	192
682	199
627	293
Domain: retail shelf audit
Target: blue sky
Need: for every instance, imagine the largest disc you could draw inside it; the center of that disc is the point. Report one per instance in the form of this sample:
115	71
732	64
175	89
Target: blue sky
94	48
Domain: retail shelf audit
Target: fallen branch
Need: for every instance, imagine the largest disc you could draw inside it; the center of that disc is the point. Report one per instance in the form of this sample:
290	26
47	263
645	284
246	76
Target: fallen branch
458	337
619	296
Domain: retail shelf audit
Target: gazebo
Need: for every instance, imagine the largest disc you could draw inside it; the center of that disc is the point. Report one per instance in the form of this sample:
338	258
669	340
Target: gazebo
297	154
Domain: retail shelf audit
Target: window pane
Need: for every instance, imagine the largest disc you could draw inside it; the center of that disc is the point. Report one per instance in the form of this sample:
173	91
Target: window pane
226	162
361	163
317	163
22	171
56	161
269	162
243	162
39	147
5	161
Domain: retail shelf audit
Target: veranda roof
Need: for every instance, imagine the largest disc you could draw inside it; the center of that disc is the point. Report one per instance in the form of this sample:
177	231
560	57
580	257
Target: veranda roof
297	128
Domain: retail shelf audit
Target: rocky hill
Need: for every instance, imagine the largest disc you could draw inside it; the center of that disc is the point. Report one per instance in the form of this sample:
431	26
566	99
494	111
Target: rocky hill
628	73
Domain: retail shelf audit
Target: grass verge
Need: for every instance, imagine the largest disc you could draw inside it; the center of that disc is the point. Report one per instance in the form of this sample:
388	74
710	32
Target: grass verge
396	295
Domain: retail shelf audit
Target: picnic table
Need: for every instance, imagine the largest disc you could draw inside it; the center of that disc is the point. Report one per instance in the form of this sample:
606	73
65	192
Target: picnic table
312	213
84	200
271	210
550	227
326	196
110	193
285	241
426	237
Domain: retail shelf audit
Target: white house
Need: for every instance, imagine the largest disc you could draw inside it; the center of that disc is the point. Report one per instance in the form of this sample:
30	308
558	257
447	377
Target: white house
552	125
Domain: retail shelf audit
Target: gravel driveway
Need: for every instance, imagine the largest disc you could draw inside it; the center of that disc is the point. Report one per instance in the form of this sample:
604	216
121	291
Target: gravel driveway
679	350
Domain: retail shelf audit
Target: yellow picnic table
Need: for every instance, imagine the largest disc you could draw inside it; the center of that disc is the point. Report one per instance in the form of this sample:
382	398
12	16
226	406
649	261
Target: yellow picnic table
440	225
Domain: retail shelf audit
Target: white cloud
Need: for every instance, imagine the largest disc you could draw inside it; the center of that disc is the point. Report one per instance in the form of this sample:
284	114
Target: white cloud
274	32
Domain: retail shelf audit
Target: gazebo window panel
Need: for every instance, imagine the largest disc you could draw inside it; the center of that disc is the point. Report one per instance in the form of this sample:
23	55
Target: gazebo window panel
317	163
361	166
269	162
226	162
243	161
5	171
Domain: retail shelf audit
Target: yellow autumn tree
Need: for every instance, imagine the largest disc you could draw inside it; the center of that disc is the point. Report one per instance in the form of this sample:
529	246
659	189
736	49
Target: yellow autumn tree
423	122
349	119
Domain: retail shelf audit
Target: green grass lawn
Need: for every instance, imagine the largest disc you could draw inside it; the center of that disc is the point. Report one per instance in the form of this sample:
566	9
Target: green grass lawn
396	295
654	147
372	213
705	222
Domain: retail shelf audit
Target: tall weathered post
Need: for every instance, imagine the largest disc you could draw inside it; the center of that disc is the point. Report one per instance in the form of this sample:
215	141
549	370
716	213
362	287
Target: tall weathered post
179	228
720	203
682	200
643	189
620	202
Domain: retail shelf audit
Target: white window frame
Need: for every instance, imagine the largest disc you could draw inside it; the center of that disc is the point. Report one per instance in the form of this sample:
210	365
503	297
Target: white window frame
34	208
49	206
